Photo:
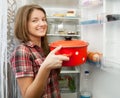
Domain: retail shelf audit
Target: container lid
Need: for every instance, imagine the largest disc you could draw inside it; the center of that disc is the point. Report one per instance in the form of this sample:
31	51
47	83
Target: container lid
69	43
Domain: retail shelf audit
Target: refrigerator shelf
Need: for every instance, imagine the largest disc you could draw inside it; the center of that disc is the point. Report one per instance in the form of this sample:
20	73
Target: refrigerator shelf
62	35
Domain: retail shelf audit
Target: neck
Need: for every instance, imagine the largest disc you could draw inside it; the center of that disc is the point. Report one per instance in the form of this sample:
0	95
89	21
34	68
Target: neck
37	42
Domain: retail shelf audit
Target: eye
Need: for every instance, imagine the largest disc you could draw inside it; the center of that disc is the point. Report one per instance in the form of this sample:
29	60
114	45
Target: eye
44	19
34	20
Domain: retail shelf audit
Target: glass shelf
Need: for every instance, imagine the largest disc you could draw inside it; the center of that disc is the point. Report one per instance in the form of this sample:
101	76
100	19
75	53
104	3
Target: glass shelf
63	35
73	70
98	22
66	17
69	71
89	22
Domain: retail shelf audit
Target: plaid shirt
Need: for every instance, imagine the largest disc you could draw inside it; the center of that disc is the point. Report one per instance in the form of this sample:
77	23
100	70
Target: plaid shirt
26	61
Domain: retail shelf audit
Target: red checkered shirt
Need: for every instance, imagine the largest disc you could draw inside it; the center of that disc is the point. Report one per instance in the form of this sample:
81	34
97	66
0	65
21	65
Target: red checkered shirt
26	61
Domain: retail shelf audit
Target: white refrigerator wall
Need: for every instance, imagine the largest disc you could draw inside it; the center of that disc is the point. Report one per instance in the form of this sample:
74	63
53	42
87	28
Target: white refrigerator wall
105	38
105	84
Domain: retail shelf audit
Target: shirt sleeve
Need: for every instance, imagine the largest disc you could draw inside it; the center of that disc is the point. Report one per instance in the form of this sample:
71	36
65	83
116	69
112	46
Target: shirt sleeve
21	63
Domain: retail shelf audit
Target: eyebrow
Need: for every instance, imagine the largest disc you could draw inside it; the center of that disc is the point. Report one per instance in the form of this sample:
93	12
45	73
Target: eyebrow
38	17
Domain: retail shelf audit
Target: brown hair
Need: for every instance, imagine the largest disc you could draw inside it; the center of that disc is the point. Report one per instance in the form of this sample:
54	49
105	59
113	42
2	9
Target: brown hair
21	21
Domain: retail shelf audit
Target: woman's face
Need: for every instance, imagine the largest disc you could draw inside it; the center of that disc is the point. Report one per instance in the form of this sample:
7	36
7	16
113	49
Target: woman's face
37	24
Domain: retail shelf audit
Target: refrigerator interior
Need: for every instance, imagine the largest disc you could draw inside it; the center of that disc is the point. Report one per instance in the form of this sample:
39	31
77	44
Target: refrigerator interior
103	37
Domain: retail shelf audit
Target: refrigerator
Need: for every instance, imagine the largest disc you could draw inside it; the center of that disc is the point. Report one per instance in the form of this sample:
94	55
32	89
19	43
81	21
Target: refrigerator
89	22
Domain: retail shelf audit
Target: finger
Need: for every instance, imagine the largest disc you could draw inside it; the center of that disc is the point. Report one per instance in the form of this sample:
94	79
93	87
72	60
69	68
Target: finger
56	49
60	61
58	65
63	57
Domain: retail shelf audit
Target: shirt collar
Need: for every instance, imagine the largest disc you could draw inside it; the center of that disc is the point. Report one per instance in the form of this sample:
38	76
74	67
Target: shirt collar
30	44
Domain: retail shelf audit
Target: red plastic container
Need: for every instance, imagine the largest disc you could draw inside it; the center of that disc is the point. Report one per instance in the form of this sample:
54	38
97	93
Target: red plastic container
75	49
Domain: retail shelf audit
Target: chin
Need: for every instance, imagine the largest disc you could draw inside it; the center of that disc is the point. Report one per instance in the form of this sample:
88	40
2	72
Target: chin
42	35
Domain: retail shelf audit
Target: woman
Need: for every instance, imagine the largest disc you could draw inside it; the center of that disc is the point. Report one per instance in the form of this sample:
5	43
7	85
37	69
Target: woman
35	68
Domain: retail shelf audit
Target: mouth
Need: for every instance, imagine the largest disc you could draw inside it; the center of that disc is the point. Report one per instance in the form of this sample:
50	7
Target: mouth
41	29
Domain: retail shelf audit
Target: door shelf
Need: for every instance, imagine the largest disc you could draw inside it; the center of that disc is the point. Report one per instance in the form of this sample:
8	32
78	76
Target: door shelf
84	23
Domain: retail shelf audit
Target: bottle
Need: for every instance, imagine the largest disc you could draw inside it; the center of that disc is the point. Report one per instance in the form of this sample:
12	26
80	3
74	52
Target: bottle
85	92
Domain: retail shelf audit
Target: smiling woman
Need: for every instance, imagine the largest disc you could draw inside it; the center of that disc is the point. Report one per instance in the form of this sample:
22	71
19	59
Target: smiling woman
36	68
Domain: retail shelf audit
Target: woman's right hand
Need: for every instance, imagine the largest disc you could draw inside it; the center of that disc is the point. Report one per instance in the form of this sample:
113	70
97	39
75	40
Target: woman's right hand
54	61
